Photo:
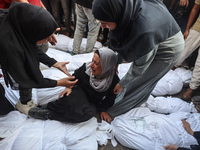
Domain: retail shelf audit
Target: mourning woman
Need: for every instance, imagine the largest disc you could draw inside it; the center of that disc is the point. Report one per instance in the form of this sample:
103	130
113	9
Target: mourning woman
22	29
142	32
93	92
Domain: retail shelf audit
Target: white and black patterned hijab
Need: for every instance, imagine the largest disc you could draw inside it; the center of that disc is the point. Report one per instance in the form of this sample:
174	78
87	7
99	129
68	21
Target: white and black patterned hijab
108	61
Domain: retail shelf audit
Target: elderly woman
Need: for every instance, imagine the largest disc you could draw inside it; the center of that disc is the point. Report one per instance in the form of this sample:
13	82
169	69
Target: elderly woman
142	32
22	29
94	89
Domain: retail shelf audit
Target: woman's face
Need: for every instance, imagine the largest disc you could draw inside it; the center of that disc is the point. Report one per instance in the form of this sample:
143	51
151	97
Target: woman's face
109	25
96	65
48	39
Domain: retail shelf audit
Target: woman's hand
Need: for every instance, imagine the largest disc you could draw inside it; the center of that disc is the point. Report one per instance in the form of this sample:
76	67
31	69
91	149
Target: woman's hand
67	91
118	88
67	82
184	3
53	39
171	147
185	34
62	66
104	116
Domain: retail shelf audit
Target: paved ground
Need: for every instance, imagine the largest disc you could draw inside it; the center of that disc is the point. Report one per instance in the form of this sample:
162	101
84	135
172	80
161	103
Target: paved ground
119	146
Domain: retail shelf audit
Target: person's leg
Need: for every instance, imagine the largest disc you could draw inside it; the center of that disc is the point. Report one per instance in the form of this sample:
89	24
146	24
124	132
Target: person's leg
47	4
73	108
55	11
81	23
195	80
94	27
25	95
144	74
66	10
25	101
73	6
191	44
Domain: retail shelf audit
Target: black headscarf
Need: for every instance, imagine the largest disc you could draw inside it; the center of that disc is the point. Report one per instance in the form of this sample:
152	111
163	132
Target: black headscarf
141	25
24	25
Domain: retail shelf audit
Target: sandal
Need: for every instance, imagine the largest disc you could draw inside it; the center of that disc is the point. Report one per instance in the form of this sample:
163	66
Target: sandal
187	95
198	108
196	100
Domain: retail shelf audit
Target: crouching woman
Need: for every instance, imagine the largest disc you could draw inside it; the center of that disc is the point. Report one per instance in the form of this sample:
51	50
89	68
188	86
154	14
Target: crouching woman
93	92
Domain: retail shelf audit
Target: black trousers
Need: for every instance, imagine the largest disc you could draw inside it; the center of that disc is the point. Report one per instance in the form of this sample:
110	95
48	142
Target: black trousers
74	108
25	95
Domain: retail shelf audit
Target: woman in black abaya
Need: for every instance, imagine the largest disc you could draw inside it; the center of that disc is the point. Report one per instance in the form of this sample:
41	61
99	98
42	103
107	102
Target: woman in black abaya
93	91
22	29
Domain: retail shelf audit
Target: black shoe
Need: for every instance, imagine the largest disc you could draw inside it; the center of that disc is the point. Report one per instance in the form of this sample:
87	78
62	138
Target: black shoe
103	41
196	100
39	113
42	106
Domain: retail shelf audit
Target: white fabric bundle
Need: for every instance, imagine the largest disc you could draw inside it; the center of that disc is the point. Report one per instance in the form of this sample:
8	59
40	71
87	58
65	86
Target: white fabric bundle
83	45
167	105
58	56
169	84
62	43
65	43
78	60
185	75
123	69
142	129
21	132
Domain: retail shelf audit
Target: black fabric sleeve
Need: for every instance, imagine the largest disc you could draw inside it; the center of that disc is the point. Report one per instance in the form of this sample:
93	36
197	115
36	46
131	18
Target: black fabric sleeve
47	83
45	59
197	136
78	73
182	148
193	147
108	101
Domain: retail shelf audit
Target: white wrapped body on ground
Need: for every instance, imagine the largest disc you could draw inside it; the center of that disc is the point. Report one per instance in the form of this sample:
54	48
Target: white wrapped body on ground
142	129
21	132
